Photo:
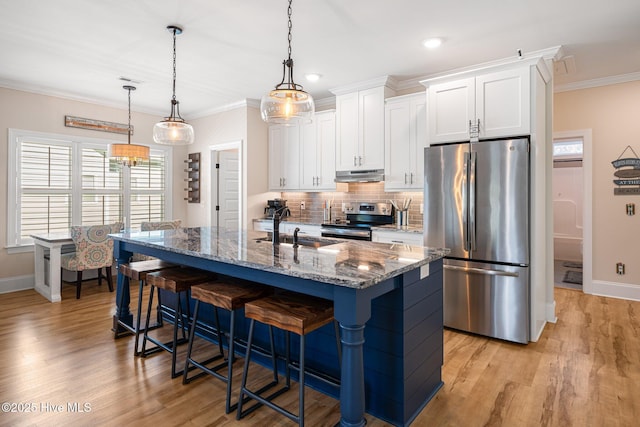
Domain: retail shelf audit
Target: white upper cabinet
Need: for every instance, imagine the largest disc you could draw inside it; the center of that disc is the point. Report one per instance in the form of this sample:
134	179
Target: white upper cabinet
360	129
284	157
405	138
498	103
318	153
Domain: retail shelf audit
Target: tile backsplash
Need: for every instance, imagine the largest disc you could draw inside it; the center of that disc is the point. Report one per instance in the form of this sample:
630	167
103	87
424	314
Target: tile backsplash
357	192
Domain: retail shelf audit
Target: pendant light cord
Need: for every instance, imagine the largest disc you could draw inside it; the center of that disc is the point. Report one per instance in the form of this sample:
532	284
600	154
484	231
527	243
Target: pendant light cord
129	127
290	25
173	99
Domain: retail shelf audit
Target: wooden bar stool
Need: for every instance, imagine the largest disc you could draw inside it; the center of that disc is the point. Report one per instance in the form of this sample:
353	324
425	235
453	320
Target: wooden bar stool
291	312
229	294
138	270
178	281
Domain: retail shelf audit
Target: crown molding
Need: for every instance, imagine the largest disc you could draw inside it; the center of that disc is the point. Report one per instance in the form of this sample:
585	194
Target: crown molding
531	58
387	81
243	103
603	81
39	90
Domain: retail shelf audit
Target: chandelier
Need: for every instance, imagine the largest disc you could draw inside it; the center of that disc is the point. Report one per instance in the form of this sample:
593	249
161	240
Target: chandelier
129	154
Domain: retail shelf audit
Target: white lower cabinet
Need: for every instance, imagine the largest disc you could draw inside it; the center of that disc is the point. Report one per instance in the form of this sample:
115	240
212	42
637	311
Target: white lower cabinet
306	230
399	237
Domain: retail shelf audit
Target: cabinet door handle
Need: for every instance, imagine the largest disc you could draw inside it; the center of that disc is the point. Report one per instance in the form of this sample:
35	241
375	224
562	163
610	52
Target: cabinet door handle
397	241
411	176
474	130
405	177
284	182
359	160
355	161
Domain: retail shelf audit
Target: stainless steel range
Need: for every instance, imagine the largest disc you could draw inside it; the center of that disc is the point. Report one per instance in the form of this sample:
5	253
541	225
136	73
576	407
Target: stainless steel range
361	216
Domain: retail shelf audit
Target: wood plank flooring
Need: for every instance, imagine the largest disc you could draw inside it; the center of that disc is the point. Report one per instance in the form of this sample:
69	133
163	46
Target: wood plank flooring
584	371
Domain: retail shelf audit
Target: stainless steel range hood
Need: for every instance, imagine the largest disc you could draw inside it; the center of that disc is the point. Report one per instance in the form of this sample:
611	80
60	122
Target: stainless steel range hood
371	175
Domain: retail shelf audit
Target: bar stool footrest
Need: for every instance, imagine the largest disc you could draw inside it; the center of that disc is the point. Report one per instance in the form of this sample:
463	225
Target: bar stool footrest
259	399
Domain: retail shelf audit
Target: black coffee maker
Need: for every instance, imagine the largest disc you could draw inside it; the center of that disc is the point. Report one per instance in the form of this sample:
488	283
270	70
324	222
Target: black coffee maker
276	205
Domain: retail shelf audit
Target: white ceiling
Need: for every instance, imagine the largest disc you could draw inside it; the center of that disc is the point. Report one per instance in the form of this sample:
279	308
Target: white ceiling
233	50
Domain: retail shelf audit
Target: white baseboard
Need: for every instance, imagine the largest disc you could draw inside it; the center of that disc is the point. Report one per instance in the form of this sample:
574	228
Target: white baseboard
17	283
616	290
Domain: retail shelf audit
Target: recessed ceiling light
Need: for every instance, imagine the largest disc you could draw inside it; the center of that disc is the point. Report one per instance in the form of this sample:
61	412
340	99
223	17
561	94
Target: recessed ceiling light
312	77
432	43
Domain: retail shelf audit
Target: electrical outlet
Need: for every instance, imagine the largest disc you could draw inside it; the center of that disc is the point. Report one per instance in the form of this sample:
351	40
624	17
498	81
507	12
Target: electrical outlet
303	206
620	268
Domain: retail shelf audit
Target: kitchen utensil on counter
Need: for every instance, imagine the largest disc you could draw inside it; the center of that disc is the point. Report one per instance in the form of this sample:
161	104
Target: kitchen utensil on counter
326	211
402	218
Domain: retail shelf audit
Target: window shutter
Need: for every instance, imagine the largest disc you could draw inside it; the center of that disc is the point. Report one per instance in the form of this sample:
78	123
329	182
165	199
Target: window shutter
45	188
148	189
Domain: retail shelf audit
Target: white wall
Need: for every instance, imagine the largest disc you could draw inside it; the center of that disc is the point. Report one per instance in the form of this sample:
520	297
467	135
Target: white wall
244	124
612	113
24	110
28	111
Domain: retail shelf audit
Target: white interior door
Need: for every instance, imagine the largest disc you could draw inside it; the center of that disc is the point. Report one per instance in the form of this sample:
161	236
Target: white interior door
227	202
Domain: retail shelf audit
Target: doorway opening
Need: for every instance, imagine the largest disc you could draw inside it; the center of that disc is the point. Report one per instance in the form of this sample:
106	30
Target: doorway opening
226	186
571	196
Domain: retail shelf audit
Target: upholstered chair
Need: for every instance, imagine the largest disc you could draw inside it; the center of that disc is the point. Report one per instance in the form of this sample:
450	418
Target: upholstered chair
94	250
153	226
160	225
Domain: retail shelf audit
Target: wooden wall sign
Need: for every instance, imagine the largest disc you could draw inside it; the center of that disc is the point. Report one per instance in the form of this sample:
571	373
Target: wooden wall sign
627	174
99	125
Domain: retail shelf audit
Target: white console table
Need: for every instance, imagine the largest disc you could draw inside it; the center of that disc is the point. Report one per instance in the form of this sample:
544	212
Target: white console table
54	242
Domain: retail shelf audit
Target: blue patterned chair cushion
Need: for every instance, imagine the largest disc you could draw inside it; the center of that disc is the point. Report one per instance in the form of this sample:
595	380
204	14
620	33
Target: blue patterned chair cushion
94	247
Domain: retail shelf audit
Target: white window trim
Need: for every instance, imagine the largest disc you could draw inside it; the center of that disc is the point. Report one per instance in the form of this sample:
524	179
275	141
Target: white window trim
16	135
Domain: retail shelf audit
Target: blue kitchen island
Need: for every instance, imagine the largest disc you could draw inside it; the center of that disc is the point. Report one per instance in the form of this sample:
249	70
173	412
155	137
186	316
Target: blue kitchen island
387	300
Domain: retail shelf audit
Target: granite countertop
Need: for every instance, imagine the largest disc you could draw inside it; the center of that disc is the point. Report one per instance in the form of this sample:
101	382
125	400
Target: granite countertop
349	263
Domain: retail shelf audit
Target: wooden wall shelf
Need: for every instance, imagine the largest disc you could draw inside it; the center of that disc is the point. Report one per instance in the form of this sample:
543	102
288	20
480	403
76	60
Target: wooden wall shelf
193	178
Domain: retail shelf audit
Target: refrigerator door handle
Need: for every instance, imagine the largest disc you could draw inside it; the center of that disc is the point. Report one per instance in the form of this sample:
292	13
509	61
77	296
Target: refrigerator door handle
465	202
481	271
472	200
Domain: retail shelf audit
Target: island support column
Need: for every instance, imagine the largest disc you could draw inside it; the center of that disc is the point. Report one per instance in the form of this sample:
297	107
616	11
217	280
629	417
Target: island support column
352	399
123	296
352	309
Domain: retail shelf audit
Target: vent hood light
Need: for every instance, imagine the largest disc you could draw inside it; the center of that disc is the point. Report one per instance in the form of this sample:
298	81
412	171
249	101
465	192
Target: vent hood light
373	175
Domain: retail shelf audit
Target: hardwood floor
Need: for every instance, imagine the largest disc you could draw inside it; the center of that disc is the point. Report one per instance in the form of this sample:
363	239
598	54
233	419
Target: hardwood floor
584	371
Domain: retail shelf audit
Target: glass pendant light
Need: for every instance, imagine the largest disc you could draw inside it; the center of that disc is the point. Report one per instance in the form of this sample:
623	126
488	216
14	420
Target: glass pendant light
173	130
129	154
288	103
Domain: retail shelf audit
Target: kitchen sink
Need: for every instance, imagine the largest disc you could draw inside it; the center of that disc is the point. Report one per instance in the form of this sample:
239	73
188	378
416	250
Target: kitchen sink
287	239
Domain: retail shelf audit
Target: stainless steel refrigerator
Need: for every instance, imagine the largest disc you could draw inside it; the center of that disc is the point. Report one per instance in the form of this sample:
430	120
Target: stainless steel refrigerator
476	203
